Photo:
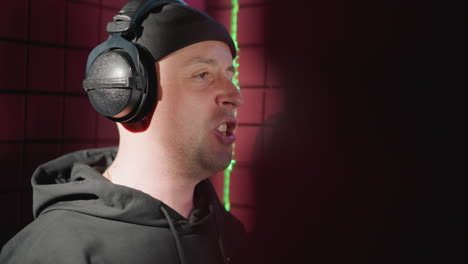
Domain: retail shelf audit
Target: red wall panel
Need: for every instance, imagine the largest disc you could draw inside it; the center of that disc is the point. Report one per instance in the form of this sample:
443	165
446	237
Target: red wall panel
114	3
11	155
251	111
80	119
223	16
46	69
12	66
12	127
252	67
44	117
242	186
75	61
47	21
251	24
107	129
14	19
82	25
198	4
106	17
105	144
69	147
217	4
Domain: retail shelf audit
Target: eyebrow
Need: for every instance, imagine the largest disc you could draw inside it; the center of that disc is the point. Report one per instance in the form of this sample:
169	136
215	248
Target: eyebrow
209	62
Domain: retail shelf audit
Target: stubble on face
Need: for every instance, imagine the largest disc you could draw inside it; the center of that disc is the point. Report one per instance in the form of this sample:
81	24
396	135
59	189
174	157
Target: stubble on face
187	114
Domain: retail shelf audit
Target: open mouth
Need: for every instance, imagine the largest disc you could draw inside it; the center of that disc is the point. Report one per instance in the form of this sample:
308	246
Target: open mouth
227	128
226	131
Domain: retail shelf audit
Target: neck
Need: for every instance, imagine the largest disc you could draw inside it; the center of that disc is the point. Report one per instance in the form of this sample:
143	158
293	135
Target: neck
151	170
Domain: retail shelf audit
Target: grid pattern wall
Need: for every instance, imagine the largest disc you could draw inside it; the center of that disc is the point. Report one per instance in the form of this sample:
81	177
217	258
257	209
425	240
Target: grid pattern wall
44	45
262	100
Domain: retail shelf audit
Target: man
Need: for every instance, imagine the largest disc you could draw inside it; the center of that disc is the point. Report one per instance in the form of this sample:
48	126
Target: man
151	202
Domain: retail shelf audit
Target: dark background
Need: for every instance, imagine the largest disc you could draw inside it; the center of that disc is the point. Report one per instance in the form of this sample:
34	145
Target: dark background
363	146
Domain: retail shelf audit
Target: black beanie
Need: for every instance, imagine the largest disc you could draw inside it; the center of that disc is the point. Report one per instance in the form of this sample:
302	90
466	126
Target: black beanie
175	26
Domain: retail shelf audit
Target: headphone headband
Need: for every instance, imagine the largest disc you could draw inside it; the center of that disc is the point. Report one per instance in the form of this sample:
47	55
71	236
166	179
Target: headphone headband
128	20
115	42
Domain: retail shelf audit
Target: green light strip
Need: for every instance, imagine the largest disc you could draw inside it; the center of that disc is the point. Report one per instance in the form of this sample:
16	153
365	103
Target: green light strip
235	80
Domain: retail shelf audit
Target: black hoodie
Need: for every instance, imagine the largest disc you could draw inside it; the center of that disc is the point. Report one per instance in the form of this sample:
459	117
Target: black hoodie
81	217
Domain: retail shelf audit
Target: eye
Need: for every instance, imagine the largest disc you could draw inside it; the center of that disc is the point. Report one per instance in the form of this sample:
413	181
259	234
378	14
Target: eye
202	75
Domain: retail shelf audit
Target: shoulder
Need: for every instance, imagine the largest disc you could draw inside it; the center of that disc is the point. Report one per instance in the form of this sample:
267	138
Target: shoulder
50	238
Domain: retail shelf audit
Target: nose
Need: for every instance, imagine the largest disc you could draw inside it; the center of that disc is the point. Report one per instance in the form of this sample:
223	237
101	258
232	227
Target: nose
229	96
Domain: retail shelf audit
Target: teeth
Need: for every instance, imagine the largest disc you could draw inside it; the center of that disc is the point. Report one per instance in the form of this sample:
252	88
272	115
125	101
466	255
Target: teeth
222	128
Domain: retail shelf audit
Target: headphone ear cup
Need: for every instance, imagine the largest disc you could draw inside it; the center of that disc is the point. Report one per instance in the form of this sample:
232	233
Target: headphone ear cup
149	96
106	97
119	89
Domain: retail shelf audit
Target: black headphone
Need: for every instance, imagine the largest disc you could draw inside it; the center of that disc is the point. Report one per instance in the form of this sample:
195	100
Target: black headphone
120	74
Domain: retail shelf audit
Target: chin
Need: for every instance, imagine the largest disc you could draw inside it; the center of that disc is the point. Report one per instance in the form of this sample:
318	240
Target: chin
220	162
226	164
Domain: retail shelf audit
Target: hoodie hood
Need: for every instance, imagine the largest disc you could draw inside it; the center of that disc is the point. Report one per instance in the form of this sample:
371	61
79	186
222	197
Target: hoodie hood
81	217
74	182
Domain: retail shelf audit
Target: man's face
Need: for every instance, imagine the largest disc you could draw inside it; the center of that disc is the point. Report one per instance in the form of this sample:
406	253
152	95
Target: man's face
194	118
